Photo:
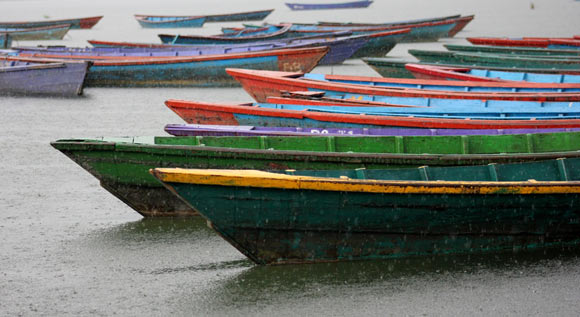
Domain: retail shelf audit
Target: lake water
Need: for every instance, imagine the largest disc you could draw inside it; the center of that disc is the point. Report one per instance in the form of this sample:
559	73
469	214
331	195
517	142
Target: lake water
68	247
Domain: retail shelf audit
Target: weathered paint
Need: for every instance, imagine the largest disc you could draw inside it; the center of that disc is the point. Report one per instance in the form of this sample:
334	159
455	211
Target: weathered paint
194	70
263	84
208	113
159	21
538	51
276	219
483	59
122	164
518	42
77	23
51	32
240	16
220	39
42	79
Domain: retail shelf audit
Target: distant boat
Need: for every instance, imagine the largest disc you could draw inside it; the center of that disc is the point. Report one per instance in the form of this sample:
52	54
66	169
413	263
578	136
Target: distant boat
369	214
323	6
51	32
60	79
254	36
549	42
77	23
181	21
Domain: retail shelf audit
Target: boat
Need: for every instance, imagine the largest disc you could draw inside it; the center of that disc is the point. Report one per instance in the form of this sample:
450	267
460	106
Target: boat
169	21
468	84
247	130
75	23
51	32
280	32
57	79
263	84
460	23
179	21
5	40
325	6
531	51
432	72
353	215
388	67
288	115
339	48
496	60
523	41
188	71
121	164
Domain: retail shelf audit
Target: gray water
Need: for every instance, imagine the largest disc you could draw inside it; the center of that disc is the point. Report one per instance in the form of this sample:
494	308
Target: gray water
68	247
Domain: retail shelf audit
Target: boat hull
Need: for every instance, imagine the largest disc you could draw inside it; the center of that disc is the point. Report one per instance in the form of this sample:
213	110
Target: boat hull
280	226
56	32
122	166
55	79
321	6
80	23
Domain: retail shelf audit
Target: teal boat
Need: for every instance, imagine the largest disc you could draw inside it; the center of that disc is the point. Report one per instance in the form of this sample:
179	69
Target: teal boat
350	215
532	51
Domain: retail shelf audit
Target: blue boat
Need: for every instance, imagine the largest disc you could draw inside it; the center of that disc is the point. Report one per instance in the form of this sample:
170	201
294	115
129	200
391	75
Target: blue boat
160	21
246	37
57	79
190	71
323	6
5	40
340	48
75	23
239	16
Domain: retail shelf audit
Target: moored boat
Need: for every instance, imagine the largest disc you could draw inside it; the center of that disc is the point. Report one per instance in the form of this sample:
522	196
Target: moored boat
228	130
523	41
433	72
279	32
350	215
75	23
531	51
239	16
121	164
179	21
341	116
184	71
51	32
263	84
388	67
325	6
56	79
482	59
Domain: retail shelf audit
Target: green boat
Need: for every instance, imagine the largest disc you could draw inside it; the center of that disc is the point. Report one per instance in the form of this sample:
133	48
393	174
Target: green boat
322	216
496	60
122	164
388	67
531	51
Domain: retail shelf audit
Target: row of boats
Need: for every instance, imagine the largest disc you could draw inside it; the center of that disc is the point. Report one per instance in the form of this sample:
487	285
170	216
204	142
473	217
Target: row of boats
343	168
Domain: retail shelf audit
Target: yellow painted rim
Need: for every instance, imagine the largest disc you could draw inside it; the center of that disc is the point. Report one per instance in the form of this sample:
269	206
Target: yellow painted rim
260	179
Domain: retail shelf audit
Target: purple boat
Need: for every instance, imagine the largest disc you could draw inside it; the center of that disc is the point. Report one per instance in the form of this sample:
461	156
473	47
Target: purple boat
340	48
64	79
323	6
223	130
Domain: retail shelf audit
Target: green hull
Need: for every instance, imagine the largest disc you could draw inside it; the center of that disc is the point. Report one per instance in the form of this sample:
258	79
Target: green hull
531	51
496	60
273	226
387	67
122	164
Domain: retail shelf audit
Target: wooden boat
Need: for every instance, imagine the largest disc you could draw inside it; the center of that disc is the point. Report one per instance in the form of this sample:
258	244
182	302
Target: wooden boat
532	51
350	215
187	71
221	39
420	32
339	48
5	40
523	41
263	84
76	23
51	32
341	116
246	130
122	164
169	21
179	21
325	6
460	23
467	84
42	79
388	67
495	60
432	72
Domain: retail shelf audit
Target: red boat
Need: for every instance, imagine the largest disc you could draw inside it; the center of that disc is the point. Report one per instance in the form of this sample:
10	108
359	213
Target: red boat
263	84
523	41
224	114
